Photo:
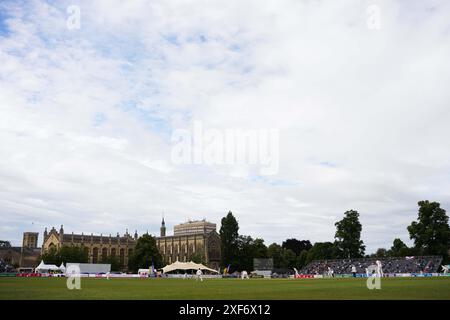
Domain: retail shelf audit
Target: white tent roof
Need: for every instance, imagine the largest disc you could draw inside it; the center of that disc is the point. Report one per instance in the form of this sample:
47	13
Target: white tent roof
177	265
43	266
143	270
61	267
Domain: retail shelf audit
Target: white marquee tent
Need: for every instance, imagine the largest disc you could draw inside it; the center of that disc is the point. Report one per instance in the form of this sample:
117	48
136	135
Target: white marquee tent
42	267
177	265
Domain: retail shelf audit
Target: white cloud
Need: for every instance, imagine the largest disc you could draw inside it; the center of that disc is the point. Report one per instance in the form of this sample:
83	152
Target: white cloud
86	115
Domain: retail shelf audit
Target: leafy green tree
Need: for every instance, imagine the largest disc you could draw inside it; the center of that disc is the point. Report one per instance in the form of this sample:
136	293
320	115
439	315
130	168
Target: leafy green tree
274	251
282	258
114	262
73	255
144	253
381	252
288	258
302	258
348	236
247	250
229	233
64	255
297	246
258	248
321	251
243	259
431	231
198	258
400	249
51	256
5	244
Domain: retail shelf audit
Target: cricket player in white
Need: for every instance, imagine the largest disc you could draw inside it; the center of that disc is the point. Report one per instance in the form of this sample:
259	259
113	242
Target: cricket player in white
354	271
244	275
199	275
330	272
379	269
107	275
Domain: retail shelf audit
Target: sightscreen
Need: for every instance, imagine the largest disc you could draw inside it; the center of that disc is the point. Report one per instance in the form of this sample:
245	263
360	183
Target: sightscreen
263	264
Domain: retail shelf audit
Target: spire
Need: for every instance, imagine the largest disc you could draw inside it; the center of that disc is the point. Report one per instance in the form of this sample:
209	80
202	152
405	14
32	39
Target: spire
163	227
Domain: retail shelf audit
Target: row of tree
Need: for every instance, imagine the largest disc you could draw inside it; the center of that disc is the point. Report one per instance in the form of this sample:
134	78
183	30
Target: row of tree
430	233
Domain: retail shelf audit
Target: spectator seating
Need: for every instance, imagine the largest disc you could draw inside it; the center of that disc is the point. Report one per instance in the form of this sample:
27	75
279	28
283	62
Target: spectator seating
417	264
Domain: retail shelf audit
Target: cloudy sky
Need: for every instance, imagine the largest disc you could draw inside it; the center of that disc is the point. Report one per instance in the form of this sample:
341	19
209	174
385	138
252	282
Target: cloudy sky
87	114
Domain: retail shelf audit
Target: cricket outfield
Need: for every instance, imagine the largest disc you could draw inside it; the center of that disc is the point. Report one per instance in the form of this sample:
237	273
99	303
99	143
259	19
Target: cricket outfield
226	289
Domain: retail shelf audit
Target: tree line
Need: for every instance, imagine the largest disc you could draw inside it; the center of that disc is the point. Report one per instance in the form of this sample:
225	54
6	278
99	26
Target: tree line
430	234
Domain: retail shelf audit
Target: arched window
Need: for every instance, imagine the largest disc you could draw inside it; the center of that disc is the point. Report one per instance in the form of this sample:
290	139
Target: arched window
113	252
95	255
104	254
122	257
86	252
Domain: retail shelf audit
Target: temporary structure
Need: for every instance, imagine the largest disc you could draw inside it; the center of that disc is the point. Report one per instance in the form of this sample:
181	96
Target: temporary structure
143	272
92	268
42	267
62	268
177	265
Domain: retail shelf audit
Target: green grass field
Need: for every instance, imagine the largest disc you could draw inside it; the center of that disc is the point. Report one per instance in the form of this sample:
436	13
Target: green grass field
228	289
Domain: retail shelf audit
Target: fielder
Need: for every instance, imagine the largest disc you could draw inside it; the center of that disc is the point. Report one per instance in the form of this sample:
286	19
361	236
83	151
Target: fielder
354	271
244	275
379	269
199	275
330	272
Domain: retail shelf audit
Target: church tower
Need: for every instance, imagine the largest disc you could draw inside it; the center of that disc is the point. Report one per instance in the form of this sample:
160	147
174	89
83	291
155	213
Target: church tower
163	228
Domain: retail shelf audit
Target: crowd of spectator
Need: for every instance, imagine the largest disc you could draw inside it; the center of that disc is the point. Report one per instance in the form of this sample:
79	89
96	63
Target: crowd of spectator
4	267
418	264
